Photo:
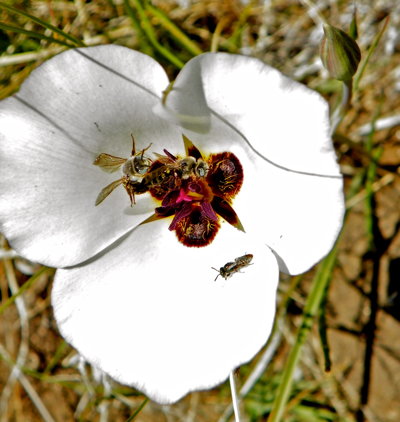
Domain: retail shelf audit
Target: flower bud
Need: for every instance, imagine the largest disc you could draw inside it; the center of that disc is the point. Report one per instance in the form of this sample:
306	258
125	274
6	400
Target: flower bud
340	54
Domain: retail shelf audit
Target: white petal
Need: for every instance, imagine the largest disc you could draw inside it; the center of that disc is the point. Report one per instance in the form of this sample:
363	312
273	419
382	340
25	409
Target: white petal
150	313
72	108
298	216
280	130
284	121
188	110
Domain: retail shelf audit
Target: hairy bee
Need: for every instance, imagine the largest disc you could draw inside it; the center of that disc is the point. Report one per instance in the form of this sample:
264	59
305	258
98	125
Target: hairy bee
160	174
133	169
233	267
170	166
201	168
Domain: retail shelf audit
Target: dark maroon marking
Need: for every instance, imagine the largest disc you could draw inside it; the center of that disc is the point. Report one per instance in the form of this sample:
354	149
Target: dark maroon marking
225	175
196	230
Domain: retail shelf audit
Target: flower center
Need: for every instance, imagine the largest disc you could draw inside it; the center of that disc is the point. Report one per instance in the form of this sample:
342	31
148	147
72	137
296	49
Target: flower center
195	191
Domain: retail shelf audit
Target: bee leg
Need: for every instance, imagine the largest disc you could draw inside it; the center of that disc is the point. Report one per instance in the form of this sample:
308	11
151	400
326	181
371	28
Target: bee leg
131	194
130	190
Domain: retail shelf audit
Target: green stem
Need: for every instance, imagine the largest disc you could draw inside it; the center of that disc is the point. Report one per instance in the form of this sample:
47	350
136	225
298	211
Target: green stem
341	109
373	47
314	300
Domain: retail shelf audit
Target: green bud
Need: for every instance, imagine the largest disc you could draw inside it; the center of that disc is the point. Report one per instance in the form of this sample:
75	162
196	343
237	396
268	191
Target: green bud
353	29
340	54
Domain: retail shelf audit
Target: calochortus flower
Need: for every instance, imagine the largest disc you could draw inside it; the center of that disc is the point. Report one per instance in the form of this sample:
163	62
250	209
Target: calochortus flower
168	209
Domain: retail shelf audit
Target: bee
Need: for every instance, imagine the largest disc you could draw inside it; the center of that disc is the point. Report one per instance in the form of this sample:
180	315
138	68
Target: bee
171	166
233	267
161	172
133	169
167	166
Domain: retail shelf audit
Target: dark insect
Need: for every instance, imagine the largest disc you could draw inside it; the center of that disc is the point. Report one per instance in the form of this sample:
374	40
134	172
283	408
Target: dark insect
233	267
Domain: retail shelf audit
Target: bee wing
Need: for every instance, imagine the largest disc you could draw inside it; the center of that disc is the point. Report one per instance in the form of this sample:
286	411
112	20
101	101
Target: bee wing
107	190
108	162
163	158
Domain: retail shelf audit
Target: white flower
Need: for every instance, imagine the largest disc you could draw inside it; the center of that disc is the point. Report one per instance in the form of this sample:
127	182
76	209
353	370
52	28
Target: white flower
130	297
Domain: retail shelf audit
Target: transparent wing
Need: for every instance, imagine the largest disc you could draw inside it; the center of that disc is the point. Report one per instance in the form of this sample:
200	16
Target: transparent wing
107	190
108	162
164	159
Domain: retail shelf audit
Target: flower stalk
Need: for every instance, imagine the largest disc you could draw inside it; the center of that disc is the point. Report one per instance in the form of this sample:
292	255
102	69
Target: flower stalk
311	309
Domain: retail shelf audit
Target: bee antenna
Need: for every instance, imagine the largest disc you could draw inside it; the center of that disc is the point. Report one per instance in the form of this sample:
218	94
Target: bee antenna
143	150
133	145
169	155
217	272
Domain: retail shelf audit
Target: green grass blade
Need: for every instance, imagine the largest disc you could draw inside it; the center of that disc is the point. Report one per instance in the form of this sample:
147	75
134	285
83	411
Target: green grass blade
145	46
373	47
323	328
178	35
311	309
138	410
151	35
33	34
24	287
47	25
56	358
